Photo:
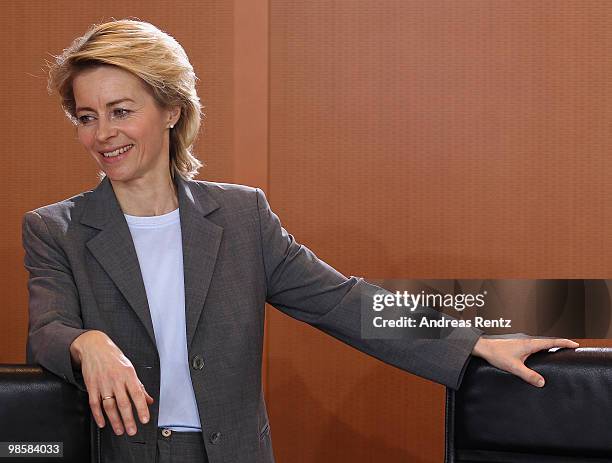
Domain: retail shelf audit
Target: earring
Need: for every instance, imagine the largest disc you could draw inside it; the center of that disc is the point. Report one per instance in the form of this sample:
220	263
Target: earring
171	126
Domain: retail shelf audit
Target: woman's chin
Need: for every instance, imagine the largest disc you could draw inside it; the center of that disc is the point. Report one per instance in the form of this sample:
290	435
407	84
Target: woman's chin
117	175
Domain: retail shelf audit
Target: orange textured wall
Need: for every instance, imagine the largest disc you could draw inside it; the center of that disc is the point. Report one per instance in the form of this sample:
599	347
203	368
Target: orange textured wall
428	139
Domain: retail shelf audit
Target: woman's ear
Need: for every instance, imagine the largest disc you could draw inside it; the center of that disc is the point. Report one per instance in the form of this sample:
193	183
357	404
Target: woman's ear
174	114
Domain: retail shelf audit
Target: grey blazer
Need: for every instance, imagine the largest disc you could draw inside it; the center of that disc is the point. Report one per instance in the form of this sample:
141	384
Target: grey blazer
84	274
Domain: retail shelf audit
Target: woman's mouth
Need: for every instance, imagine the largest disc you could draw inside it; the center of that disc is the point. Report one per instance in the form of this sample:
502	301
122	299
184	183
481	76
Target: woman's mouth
117	154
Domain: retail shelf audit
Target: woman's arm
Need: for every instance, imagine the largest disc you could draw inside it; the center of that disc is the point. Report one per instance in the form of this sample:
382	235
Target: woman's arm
54	311
58	341
308	289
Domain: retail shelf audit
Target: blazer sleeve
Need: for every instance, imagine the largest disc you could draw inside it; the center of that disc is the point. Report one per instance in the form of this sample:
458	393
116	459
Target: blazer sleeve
54	308
306	288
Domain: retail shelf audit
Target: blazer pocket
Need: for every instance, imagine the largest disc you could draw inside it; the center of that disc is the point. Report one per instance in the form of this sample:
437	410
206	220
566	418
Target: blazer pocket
137	438
265	431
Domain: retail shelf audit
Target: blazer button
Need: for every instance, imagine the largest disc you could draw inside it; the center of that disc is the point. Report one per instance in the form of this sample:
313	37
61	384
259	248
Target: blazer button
215	437
197	362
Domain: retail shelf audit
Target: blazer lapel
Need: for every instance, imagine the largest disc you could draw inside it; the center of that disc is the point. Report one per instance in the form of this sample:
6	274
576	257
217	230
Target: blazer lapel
114	249
201	240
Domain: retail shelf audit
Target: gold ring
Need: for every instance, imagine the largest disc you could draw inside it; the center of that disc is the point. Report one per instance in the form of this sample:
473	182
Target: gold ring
108	397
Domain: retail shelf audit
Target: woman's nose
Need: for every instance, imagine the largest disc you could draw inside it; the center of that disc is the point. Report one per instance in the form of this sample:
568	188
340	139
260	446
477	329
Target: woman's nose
105	130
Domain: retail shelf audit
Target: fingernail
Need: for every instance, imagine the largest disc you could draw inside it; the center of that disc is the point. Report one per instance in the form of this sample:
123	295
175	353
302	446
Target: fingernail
131	431
144	419
541	382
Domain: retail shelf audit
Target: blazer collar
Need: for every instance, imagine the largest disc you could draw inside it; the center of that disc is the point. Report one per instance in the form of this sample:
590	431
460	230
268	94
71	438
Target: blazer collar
114	249
102	205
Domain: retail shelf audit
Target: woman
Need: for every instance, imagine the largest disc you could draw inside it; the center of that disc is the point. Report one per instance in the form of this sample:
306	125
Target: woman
149	291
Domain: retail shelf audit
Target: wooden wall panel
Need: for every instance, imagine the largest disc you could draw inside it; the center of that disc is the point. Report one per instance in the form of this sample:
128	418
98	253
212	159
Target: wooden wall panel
428	139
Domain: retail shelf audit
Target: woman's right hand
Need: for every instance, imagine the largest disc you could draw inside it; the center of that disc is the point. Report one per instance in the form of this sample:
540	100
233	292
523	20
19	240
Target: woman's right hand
107	372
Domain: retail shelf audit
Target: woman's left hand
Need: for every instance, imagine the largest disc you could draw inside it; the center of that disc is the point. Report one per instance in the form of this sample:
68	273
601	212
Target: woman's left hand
509	354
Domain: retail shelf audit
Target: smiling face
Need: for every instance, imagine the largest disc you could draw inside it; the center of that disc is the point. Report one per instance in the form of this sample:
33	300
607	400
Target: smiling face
121	125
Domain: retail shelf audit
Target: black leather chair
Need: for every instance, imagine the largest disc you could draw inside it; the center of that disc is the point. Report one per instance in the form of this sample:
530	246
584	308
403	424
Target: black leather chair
37	406
496	417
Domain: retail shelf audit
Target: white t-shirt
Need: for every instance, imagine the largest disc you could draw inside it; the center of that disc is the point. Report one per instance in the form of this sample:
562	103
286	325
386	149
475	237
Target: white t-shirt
159	248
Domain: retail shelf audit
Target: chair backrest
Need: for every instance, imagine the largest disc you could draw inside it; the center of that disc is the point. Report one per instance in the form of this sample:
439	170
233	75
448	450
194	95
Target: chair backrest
37	406
495	416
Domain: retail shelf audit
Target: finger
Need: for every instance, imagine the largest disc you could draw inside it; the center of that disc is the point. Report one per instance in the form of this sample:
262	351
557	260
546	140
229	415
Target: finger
96	408
110	408
137	393
528	375
95	401
541	344
148	398
124	404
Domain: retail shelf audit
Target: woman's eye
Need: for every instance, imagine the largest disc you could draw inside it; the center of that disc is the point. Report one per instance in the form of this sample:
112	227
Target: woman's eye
84	120
121	112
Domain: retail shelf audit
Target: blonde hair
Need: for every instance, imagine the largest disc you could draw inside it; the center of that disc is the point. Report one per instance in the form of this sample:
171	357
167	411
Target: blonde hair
154	56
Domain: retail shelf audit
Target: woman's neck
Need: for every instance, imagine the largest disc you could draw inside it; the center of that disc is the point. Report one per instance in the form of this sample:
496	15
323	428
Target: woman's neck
146	198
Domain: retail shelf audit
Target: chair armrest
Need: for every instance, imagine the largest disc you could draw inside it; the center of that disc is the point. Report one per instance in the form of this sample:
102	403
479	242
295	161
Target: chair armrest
496	416
37	406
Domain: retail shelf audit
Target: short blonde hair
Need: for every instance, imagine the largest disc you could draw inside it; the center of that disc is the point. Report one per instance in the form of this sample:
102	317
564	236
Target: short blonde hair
154	56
